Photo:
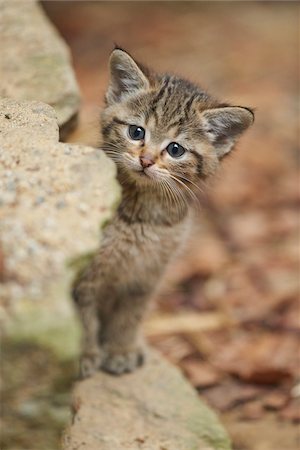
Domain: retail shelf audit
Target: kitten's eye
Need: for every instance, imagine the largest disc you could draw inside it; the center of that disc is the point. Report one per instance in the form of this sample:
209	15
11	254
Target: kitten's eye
175	150
136	133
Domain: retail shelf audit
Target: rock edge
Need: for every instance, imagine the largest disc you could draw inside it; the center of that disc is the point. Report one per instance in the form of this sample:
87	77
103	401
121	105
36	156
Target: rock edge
154	408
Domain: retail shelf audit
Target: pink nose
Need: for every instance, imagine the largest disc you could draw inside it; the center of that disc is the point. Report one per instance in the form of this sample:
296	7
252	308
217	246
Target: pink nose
146	161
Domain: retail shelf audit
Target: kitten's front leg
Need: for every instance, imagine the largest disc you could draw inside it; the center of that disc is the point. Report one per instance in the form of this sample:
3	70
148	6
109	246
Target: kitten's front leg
123	349
91	355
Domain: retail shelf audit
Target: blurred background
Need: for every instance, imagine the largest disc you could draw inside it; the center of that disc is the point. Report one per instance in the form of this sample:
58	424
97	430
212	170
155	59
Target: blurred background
229	313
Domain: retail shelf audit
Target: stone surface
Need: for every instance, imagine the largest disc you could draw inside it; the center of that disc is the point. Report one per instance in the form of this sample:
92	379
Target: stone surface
153	408
54	198
35	61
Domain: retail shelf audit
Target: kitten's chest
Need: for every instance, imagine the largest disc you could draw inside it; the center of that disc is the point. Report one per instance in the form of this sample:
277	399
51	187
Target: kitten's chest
140	247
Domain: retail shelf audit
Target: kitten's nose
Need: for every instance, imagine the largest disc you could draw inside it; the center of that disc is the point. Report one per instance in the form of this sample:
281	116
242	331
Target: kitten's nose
146	161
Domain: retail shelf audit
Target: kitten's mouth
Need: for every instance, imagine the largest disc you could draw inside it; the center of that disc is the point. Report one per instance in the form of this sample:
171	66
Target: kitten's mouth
142	173
148	174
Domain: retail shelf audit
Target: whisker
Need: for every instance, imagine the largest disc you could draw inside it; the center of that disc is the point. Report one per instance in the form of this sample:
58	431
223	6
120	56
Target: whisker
191	193
189	181
173	200
177	195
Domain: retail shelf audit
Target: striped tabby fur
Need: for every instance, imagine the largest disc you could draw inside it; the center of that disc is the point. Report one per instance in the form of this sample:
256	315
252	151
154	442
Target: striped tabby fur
159	191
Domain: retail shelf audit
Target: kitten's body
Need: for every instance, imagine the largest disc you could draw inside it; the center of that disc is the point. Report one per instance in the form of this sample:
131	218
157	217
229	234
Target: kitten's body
158	190
118	285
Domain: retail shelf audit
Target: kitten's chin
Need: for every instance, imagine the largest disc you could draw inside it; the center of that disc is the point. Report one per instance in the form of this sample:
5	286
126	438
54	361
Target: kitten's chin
142	176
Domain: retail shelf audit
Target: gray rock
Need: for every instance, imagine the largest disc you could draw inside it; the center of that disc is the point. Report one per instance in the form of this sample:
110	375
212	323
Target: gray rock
35	61
54	199
153	408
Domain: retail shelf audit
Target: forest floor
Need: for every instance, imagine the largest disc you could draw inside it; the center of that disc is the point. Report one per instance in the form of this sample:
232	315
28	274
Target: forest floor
229	314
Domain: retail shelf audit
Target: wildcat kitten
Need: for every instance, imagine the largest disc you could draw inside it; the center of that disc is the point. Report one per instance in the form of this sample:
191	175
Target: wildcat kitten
165	135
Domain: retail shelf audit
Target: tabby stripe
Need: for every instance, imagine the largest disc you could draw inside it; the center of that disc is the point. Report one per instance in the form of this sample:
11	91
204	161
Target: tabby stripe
199	159
168	94
121	122
176	123
107	128
154	113
160	94
188	105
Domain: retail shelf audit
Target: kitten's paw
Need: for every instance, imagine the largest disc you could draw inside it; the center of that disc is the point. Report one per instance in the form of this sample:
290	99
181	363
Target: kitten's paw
123	362
89	364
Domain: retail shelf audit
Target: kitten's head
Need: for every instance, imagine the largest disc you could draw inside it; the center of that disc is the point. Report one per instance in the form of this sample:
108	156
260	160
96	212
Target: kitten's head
164	129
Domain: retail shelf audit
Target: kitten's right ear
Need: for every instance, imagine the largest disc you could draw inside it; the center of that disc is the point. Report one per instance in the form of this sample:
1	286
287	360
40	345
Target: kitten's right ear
125	76
223	126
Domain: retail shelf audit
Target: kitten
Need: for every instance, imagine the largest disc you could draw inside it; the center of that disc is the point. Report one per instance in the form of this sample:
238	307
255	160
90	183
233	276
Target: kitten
166	135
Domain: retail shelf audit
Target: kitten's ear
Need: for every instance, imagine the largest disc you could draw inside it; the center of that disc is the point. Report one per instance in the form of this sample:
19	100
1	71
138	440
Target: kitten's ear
223	126
125	76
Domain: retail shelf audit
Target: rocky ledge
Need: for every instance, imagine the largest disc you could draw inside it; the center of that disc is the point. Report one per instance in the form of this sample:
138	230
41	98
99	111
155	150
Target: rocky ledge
154	408
54	199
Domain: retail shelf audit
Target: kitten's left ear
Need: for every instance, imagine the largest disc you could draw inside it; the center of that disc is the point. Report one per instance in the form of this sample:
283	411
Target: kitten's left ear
223	126
125	76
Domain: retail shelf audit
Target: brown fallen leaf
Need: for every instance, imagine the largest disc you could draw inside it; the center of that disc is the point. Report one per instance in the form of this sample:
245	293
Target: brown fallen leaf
286	316
267	358
200	374
275	400
292	411
229	394
256	286
252	411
